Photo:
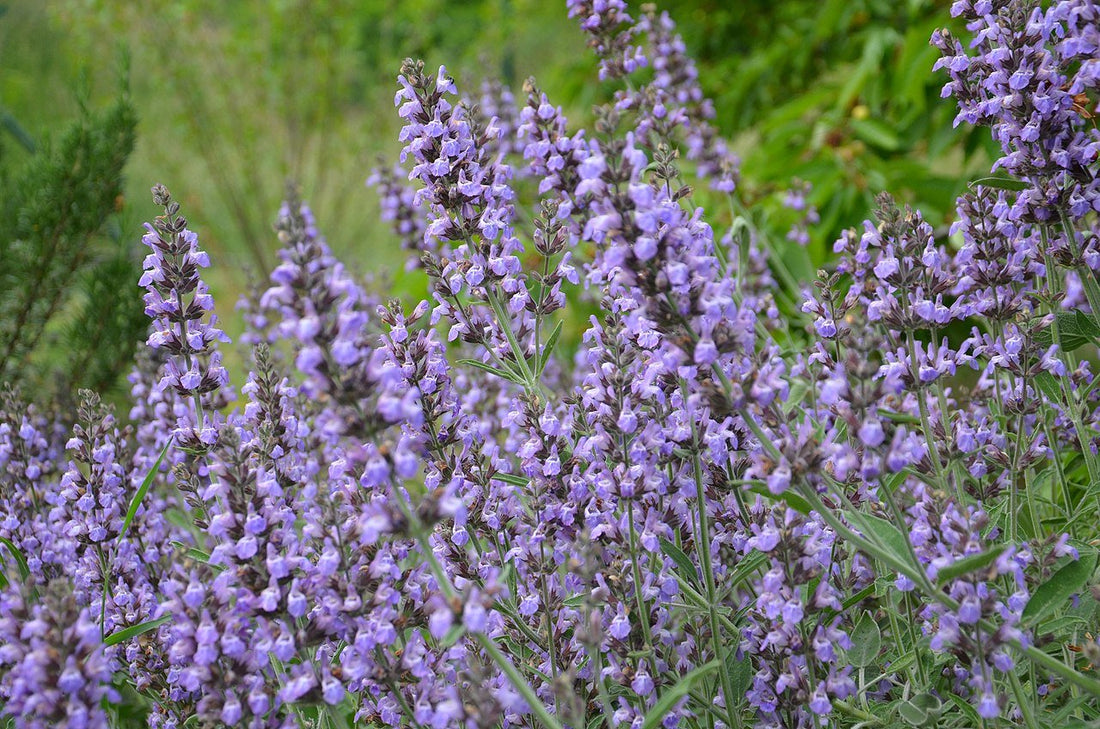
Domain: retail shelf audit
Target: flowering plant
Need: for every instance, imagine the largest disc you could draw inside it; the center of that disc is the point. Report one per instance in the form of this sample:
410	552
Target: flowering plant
874	506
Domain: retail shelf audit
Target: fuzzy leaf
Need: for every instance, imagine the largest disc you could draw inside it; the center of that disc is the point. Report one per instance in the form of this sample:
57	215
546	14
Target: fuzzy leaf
971	563
967	709
741	672
883	532
789	497
1062	585
866	642
1048	386
683	563
921	709
573	602
1075	329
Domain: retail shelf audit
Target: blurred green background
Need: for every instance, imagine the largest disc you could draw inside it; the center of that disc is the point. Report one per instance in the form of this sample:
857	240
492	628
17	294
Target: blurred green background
233	98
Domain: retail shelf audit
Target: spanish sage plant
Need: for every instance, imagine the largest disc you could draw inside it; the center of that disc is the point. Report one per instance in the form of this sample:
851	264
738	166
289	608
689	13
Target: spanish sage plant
875	508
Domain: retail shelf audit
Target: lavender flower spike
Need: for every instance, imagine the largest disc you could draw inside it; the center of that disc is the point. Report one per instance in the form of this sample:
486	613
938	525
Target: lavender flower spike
178	302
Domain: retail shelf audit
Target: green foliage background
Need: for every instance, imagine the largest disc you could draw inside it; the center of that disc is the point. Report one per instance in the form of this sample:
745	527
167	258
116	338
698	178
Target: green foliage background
234	98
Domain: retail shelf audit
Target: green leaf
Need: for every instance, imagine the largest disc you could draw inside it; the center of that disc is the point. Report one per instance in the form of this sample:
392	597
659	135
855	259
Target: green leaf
683	563
877	134
789	497
573	602
966	708
898	417
858	597
1000	183
513	479
866	641
1062	585
799	388
478	364
1048	386
135	630
17	555
672	696
142	490
548	348
920	709
971	563
452	636
196	554
740	671
1075	329
746	567
881	531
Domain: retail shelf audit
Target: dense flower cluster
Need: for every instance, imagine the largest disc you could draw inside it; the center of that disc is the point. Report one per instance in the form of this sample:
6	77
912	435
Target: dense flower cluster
702	506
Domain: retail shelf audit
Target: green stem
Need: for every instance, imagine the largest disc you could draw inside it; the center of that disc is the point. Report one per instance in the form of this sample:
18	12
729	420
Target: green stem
639	598
1086	274
518	682
1021	700
706	560
926	421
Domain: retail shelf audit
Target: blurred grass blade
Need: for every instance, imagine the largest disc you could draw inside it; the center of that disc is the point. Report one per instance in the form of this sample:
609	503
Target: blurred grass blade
14	128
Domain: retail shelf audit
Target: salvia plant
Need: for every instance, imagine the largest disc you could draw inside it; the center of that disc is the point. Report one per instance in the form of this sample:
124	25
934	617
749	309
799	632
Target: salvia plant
876	507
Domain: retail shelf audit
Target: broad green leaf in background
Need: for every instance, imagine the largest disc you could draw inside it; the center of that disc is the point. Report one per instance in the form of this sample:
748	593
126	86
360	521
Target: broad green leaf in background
1063	584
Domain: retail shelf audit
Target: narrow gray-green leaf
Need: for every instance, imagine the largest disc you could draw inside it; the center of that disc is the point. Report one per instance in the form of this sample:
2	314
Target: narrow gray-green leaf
142	490
1000	183
683	563
512	479
971	563
478	364
548	348
17	555
135	630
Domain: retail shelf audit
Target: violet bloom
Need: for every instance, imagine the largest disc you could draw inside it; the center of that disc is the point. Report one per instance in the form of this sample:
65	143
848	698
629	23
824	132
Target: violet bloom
1029	77
53	672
